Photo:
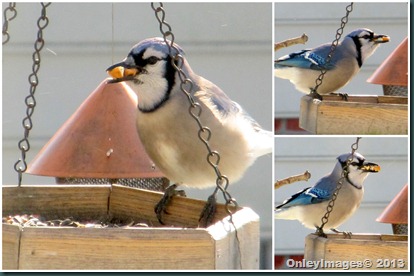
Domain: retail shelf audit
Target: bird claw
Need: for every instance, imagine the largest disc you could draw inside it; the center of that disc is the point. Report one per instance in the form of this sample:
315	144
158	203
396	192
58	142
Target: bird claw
344	96
161	207
320	233
315	95
207	214
347	234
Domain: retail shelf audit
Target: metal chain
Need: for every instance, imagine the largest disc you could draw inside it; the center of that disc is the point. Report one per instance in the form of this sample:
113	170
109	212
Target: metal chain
21	166
9	14
339	32
195	110
339	184
204	133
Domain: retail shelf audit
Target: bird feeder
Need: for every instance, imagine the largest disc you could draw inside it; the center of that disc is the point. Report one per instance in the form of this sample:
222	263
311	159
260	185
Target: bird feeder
393	72
396	213
99	144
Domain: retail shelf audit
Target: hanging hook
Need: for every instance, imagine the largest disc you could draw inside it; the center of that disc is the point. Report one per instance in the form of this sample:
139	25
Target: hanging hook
11	9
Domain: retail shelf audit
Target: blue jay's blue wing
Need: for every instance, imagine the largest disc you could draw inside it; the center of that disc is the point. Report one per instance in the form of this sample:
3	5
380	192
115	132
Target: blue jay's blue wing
307	59
225	106
306	196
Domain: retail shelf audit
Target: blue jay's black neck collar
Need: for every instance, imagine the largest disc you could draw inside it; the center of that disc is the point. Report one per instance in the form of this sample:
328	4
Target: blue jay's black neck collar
169	75
358	47
346	171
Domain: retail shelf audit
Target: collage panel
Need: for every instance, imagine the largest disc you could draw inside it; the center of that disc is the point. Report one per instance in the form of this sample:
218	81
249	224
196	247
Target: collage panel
112	113
378	173
362	37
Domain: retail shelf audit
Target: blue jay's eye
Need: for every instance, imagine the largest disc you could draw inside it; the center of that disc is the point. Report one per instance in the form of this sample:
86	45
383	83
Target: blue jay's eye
367	36
359	163
152	60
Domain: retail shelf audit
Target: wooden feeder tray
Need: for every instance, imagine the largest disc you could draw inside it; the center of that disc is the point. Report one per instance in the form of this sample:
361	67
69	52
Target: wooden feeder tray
358	115
180	245
383	251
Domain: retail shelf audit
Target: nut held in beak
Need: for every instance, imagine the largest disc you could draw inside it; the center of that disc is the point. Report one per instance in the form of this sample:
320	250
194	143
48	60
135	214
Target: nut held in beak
120	72
117	72
371	168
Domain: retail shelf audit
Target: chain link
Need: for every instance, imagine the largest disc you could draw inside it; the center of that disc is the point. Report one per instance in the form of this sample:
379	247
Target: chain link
9	14
204	133
21	166
339	184
339	32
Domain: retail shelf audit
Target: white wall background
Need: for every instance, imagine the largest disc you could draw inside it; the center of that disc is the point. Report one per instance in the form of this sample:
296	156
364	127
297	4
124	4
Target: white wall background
230	44
320	22
318	156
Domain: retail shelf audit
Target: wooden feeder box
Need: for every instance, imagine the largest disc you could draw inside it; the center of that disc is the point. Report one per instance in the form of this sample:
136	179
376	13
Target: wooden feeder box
388	252
358	115
99	143
180	244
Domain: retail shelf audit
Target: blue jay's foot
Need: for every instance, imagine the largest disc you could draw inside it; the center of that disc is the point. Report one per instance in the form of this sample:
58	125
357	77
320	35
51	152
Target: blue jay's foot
347	234
315	95
344	96
320	233
207	215
161	207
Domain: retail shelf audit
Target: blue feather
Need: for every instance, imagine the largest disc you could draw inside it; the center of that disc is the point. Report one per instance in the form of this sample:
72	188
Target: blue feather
304	59
305	197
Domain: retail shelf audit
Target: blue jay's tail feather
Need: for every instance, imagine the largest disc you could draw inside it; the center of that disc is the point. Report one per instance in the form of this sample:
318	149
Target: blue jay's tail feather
284	214
263	143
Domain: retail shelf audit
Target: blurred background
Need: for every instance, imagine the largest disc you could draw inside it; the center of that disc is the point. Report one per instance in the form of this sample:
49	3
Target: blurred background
318	155
229	44
319	21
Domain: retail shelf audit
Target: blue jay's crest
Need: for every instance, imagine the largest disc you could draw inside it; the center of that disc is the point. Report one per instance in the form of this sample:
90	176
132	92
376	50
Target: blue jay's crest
343	158
310	205
157	43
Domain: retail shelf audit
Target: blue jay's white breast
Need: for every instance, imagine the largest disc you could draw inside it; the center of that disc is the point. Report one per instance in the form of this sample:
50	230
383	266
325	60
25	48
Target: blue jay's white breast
170	137
305	79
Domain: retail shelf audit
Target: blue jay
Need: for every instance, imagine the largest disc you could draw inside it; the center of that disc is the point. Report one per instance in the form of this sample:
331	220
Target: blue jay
170	134
303	68
309	205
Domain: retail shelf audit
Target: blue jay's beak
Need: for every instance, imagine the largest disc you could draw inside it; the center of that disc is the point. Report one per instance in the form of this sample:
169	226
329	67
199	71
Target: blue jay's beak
370	167
122	72
381	38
